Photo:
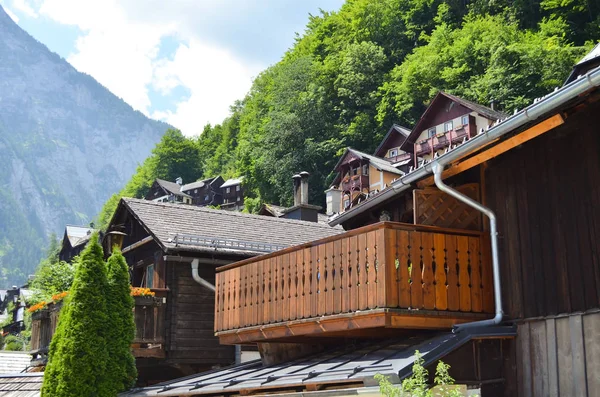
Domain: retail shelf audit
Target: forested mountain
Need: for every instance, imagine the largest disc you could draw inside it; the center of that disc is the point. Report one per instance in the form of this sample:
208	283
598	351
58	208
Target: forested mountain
354	72
66	145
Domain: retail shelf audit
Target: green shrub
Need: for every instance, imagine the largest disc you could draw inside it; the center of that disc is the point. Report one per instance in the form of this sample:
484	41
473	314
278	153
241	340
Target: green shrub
121	327
78	356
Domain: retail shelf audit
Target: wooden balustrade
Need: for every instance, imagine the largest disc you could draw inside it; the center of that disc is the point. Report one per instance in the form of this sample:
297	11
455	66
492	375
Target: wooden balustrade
149	317
418	269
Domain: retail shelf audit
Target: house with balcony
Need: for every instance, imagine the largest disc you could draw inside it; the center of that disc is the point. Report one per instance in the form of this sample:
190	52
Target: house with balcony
448	121
509	299
390	148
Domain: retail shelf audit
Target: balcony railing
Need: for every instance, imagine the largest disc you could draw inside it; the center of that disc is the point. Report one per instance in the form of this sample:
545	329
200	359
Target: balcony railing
355	183
388	275
441	141
149	316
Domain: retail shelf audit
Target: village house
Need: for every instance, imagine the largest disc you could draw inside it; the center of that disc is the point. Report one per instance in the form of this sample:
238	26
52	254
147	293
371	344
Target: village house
74	240
497	274
233	194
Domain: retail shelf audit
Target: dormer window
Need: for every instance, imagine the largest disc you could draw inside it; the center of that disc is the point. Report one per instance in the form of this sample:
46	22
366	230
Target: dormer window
431	132
393	152
448	126
465	120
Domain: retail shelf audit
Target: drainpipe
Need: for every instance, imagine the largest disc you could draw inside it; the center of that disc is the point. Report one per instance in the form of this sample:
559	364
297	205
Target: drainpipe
197	277
437	174
206	284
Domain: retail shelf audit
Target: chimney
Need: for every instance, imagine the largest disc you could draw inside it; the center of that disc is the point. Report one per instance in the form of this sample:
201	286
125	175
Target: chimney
179	181
493	104
297	194
304	187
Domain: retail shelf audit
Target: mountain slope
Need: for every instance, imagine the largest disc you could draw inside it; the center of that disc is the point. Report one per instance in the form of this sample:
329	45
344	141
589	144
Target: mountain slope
66	145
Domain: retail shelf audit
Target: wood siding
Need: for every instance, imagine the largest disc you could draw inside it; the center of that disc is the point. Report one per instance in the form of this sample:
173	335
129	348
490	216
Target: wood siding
546	195
558	357
191	317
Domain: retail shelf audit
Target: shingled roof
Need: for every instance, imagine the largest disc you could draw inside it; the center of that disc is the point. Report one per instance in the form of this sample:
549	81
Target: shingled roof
166	221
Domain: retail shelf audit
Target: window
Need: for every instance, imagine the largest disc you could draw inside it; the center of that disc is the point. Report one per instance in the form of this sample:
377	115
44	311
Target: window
355	171
393	152
365	169
150	276
238	198
206	198
227	190
195	190
448	126
465	120
431	132
237	188
346	203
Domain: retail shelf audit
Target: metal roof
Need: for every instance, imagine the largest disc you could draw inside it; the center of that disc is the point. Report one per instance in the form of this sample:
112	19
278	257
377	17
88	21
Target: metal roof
233	182
78	234
13	362
341	366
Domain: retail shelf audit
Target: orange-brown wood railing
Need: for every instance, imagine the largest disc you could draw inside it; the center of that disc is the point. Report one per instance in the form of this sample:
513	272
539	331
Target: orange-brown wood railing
386	265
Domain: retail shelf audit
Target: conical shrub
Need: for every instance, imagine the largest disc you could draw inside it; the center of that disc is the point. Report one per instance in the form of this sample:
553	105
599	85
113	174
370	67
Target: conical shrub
121	326
78	357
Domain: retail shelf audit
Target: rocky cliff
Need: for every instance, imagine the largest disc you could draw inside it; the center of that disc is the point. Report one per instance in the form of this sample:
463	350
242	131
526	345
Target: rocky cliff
66	144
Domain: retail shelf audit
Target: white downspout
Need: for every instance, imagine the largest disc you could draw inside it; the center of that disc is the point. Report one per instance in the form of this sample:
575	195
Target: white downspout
437	174
197	277
206	284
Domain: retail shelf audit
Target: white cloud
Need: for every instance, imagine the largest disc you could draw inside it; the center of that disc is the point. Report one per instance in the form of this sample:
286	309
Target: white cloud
121	52
25	8
215	80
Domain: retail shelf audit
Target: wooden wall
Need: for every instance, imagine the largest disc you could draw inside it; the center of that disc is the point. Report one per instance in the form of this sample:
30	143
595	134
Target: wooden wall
191	317
546	195
557	356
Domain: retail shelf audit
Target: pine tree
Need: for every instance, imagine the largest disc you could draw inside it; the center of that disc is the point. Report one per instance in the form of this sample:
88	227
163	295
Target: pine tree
121	372
78	357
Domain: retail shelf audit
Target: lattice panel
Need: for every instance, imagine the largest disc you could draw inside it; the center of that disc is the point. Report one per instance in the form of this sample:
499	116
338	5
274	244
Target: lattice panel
435	208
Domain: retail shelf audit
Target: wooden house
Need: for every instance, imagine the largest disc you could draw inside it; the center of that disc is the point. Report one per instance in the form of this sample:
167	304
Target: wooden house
358	176
233	194
448	121
74	240
205	192
174	250
391	145
520	286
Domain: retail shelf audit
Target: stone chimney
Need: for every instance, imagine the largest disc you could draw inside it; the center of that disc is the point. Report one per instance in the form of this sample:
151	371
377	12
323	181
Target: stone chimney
301	210
179	181
304	187
297	191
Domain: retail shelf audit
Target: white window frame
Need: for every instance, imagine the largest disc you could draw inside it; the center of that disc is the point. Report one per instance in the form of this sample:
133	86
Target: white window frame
463	118
227	190
393	152
237	188
431	132
448	123
365	169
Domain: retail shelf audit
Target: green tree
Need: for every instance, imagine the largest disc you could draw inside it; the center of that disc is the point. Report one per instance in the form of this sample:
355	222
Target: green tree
78	358
121	327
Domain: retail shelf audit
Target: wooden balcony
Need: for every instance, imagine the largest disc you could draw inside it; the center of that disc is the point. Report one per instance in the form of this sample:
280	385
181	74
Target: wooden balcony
442	140
362	283
149	315
355	183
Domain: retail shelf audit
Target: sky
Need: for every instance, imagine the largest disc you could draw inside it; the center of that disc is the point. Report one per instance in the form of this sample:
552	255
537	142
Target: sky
181	61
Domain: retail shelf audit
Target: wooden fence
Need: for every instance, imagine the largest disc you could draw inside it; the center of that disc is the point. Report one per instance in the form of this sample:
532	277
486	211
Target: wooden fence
387	265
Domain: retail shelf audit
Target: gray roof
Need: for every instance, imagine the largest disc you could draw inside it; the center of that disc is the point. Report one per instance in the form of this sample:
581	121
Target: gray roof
21	385
171	187
193	185
379	163
594	53
13	362
336	367
166	221
233	182
278	211
78	234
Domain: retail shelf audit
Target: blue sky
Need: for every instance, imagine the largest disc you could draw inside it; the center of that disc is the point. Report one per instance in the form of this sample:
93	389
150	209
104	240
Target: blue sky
182	61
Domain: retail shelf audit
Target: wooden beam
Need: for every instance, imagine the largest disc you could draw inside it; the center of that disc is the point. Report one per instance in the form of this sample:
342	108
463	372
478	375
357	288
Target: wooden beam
137	244
504	146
